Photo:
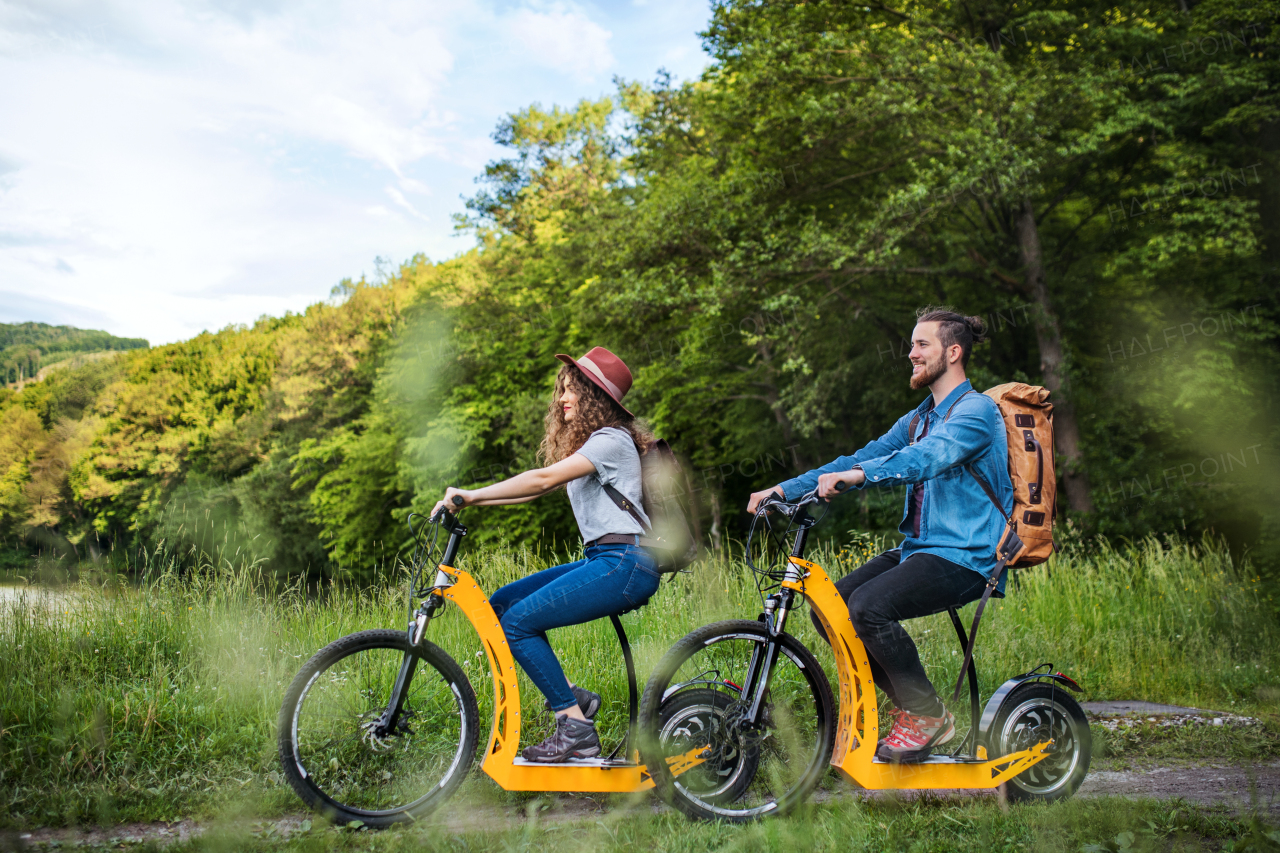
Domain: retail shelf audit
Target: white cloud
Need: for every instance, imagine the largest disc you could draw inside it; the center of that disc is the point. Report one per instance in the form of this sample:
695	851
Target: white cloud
175	165
562	38
195	162
398	198
410	185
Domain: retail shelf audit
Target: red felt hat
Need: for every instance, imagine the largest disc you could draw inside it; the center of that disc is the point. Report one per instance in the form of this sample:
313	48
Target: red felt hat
607	371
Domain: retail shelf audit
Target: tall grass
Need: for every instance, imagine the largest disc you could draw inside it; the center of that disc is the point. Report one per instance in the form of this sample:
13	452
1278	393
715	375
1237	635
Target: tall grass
1166	622
122	702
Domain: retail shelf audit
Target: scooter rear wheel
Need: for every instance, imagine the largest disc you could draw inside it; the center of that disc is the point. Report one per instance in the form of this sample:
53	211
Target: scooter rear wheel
1034	712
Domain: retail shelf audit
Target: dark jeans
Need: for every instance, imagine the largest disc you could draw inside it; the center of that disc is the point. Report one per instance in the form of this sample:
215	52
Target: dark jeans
612	579
887	589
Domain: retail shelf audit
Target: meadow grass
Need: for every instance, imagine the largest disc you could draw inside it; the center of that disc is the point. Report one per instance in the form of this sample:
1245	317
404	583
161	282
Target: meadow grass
158	700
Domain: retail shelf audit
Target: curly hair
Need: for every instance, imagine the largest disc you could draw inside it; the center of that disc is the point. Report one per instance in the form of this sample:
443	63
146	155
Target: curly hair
596	410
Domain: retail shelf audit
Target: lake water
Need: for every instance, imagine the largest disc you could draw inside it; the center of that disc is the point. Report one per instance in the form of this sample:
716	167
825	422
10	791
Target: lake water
44	596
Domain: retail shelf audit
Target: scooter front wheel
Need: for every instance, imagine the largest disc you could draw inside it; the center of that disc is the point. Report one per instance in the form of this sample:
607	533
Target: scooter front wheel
349	758
707	755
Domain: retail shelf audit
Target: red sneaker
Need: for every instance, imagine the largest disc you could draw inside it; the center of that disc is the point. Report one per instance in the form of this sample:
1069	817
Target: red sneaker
913	737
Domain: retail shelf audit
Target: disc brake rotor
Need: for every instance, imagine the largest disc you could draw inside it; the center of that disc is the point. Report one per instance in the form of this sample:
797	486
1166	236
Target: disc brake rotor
1043	724
738	735
379	738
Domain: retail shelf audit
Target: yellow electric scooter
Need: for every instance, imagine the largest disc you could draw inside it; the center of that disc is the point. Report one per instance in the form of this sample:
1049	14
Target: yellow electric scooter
382	726
758	705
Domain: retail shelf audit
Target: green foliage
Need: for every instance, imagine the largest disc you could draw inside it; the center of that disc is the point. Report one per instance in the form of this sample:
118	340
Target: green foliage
175	410
27	347
932	824
1097	181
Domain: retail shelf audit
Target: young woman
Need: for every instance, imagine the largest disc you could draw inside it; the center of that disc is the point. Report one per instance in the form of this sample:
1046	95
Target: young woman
591	441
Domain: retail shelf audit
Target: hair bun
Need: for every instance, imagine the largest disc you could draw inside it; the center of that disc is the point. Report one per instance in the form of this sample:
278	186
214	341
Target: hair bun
978	327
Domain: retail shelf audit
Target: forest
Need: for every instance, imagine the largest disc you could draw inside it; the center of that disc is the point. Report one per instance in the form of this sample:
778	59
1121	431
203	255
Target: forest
1099	181
27	347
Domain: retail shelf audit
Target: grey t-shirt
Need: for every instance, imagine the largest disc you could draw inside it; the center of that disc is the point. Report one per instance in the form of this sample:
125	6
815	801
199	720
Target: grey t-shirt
617	463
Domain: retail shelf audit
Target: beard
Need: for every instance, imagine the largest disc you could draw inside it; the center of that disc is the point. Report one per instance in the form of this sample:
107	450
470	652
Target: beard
928	374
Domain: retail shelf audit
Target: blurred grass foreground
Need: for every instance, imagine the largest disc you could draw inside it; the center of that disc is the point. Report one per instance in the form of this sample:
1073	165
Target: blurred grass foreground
157	700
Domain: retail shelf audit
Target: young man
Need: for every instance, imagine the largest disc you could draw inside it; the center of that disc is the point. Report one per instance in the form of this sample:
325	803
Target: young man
951	526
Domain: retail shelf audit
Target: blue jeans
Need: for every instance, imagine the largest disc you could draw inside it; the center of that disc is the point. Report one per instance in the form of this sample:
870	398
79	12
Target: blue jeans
612	579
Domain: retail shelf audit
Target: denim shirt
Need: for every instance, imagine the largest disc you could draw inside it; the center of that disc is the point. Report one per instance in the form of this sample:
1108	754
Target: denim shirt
957	520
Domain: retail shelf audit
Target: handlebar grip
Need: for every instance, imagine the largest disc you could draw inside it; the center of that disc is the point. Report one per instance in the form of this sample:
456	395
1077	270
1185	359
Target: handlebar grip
840	485
458	501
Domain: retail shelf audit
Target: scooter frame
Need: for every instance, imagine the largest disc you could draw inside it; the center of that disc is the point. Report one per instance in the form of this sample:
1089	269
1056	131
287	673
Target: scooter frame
502	761
857	720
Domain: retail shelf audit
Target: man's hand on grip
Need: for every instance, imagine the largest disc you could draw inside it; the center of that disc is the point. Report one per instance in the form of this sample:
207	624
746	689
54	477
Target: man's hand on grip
839	482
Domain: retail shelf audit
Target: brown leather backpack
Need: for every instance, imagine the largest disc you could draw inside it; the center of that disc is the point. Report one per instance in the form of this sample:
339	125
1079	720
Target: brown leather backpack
1028	422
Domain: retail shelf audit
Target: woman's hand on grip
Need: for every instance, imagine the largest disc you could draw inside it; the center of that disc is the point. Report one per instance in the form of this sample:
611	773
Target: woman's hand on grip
448	502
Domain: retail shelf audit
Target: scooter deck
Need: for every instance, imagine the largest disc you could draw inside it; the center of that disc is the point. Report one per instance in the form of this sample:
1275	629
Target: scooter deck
587	775
935	759
602	763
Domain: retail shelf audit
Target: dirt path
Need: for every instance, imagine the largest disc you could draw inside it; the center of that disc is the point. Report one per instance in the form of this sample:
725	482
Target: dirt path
1240	787
1233	785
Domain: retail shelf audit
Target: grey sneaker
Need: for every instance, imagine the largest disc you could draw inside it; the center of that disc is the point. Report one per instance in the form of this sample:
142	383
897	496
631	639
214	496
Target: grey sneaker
572	739
587	701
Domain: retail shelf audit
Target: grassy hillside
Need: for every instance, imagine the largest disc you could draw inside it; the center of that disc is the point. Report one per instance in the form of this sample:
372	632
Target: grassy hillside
27	347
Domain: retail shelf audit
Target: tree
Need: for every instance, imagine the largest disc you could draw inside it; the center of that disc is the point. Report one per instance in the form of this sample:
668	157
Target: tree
866	159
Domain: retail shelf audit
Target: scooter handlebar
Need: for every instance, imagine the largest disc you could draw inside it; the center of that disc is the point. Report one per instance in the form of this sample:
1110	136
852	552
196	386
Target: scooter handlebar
788	506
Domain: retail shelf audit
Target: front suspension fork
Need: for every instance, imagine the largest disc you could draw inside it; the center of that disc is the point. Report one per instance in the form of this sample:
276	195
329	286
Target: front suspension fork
417	630
395	705
764	658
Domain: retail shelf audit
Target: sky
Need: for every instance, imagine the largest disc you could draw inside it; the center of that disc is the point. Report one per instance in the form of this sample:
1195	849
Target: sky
173	167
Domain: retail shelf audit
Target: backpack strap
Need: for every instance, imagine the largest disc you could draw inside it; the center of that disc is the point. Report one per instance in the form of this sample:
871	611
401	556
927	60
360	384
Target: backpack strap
990	492
629	508
992	583
625	504
915	419
1009	547
957	402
